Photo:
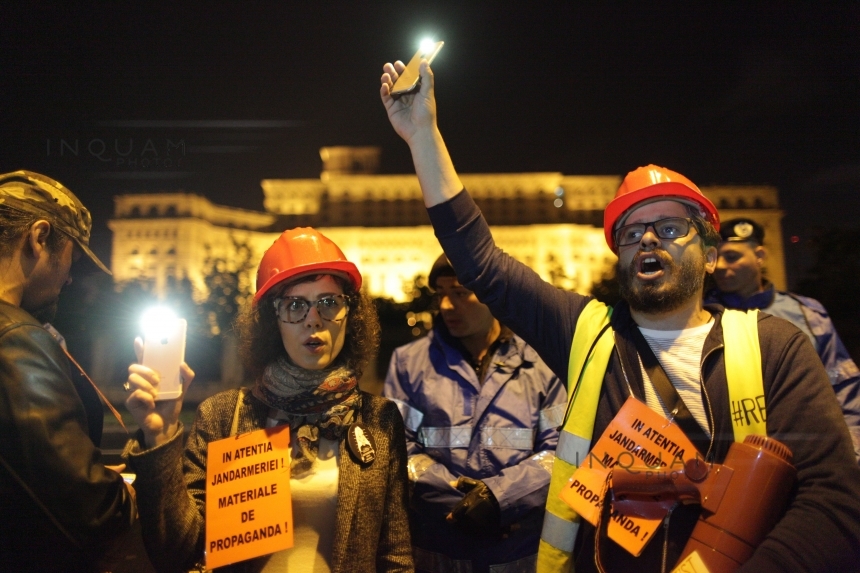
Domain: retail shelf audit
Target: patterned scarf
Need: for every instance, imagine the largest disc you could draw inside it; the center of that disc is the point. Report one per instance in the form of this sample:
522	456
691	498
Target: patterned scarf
313	402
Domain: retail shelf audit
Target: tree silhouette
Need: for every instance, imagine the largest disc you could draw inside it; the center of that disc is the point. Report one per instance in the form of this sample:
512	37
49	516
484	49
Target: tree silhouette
228	287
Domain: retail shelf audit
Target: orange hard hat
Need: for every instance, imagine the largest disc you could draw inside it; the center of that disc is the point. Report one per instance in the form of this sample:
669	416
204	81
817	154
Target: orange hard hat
653	183
301	251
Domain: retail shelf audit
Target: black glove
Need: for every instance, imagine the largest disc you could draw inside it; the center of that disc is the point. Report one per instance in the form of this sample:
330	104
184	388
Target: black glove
479	510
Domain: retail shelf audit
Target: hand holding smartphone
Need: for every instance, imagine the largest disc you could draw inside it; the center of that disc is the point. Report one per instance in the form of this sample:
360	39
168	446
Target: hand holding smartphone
164	352
409	79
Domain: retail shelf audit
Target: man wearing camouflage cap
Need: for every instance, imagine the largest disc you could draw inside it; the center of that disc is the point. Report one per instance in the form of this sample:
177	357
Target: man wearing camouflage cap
740	281
61	509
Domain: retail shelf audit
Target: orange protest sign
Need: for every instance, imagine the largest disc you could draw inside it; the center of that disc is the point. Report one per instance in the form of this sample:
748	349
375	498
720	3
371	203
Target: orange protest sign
637	437
691	564
248	505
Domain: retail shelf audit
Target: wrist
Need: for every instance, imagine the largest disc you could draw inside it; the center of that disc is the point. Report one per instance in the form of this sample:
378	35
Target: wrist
425	137
155	439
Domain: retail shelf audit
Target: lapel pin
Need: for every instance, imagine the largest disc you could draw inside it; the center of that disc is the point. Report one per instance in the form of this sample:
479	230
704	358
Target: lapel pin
361	443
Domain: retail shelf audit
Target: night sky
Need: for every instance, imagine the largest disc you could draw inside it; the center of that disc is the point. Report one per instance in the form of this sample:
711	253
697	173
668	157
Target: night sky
726	93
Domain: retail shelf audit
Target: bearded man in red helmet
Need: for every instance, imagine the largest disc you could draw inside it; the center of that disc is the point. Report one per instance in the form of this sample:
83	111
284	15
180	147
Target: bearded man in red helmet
718	375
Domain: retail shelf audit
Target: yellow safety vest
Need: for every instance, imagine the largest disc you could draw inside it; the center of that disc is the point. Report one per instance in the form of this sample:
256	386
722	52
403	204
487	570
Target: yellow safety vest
590	351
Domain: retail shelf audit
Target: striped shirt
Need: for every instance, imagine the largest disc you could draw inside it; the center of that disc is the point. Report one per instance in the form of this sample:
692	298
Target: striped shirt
680	355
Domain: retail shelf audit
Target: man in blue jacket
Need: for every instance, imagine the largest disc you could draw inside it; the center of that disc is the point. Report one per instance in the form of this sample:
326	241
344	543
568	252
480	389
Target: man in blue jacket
741	284
482	413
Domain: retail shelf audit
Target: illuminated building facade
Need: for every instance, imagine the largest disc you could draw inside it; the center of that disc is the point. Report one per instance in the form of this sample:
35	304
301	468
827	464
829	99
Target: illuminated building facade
550	221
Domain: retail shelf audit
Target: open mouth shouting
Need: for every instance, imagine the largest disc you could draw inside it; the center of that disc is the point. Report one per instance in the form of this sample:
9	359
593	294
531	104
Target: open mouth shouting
649	266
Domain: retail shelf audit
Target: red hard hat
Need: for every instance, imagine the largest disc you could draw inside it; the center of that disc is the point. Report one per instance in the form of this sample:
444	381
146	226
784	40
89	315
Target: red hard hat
651	183
300	251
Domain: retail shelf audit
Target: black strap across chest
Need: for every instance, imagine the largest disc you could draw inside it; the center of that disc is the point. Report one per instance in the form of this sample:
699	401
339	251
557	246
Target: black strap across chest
678	410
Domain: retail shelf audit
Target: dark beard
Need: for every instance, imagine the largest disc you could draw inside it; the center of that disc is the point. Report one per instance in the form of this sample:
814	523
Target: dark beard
46	313
687	281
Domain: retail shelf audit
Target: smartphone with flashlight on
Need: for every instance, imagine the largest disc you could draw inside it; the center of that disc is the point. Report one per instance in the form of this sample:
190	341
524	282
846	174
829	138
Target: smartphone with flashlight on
164	350
409	80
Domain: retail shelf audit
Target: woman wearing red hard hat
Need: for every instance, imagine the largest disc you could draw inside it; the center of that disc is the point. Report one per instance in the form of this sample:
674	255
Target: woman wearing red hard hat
303	342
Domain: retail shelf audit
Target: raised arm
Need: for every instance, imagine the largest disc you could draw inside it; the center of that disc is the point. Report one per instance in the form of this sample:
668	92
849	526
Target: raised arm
541	314
171	489
413	117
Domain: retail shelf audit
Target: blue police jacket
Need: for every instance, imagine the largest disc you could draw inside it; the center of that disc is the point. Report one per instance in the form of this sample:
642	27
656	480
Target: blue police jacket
502	430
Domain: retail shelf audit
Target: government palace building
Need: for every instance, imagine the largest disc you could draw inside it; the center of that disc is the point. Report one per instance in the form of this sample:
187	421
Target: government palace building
550	221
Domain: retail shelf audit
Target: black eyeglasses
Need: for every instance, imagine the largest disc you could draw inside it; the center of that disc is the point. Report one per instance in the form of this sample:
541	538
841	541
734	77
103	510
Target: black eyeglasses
671	229
293	309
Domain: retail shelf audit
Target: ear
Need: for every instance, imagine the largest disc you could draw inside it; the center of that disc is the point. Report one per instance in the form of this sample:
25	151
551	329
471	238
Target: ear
37	238
711	255
760	255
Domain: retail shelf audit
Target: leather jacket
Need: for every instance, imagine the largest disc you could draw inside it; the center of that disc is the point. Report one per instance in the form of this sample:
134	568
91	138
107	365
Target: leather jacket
60	508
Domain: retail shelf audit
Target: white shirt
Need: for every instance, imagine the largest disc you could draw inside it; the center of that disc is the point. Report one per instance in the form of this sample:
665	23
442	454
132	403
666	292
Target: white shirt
314	498
680	355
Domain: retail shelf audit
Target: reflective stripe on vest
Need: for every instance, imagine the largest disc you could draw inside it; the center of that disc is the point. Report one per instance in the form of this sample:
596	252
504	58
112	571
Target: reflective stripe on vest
447	437
589	357
551	417
412	417
743	370
491	437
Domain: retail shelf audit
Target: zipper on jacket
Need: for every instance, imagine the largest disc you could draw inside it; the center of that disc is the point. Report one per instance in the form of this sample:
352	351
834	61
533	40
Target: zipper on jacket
707	400
666	537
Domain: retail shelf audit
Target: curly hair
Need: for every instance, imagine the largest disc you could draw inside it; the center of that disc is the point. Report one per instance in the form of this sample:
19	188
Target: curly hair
260	339
709	234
